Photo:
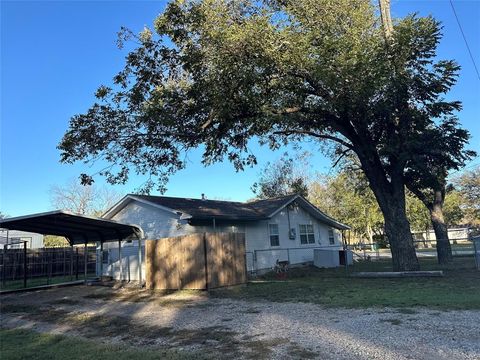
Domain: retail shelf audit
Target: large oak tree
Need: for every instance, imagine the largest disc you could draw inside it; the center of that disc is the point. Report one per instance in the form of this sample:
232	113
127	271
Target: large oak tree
219	73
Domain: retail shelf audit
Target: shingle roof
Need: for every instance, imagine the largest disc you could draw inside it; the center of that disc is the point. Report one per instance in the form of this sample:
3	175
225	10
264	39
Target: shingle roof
230	210
206	209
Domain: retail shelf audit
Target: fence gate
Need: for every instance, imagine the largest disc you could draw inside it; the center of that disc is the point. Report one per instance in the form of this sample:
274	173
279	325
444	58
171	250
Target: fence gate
196	261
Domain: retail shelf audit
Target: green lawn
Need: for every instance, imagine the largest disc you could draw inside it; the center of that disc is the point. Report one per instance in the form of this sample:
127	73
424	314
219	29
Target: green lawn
458	289
25	344
39	281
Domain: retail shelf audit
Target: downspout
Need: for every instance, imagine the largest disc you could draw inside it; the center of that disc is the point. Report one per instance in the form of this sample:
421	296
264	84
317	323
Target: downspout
289	226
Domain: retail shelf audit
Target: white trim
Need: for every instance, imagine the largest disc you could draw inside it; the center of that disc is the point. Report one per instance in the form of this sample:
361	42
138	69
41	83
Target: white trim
323	217
270	234
283	206
306	233
126	199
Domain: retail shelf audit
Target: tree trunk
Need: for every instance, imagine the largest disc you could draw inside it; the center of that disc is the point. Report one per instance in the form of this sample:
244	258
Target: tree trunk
397	229
444	249
390	195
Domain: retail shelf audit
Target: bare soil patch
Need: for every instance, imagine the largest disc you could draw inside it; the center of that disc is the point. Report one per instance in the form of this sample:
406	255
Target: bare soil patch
193	321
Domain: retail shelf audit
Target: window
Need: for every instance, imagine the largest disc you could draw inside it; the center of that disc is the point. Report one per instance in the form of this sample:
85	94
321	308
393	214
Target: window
331	237
306	234
274	238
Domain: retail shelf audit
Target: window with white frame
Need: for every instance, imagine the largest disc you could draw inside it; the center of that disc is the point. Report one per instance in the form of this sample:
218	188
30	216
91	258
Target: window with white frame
331	237
307	235
274	237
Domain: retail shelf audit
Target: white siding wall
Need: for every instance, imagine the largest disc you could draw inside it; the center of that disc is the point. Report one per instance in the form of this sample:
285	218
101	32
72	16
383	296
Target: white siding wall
158	223
129	261
261	255
34	241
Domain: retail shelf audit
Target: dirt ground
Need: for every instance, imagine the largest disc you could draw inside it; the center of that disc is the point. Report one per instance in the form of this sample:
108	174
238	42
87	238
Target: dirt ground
193	321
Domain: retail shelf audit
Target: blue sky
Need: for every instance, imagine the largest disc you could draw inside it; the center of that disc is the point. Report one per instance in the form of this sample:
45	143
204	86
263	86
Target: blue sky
54	54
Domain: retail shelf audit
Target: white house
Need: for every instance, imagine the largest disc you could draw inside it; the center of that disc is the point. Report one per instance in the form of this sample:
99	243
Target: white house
16	238
285	228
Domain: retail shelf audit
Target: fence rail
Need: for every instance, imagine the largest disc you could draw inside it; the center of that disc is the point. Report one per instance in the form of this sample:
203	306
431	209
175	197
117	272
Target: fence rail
32	267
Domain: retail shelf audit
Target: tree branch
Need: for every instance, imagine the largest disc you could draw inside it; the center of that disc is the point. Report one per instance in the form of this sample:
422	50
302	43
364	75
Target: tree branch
345	152
314	134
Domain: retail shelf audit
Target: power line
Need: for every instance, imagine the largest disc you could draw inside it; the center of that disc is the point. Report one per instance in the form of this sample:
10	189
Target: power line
465	39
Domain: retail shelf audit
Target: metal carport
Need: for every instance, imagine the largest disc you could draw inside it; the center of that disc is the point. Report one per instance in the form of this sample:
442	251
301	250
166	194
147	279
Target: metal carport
78	229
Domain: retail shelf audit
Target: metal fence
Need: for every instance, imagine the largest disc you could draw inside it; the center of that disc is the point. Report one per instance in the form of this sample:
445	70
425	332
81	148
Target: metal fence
463	247
34	267
466	255
265	259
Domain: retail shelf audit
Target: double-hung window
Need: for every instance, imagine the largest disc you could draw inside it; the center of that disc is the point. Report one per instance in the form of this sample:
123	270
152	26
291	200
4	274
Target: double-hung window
274	237
307	236
331	237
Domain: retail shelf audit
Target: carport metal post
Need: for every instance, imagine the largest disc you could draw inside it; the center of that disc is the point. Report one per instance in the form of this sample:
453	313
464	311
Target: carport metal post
71	261
120	258
4	276
85	260
25	264
101	259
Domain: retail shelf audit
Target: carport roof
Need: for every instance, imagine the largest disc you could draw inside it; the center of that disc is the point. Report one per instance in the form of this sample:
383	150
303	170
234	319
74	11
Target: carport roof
76	228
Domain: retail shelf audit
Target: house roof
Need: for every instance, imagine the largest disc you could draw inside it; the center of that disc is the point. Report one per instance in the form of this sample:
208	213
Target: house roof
206	209
200	209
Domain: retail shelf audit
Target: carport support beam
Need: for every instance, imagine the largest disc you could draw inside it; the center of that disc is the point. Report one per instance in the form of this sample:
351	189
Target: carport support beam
85	259
120	258
25	265
101	259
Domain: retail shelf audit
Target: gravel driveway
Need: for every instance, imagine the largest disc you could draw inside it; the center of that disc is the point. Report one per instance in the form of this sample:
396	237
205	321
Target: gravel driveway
193	321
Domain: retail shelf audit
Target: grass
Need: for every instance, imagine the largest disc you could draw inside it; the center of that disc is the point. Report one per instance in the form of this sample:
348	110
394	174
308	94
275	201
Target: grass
458	289
23	344
39	281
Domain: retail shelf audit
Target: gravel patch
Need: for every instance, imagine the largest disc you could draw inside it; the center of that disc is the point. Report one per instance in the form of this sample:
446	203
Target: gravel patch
276	330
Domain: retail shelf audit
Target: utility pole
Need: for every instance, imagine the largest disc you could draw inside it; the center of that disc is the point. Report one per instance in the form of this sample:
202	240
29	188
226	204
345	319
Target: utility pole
386	18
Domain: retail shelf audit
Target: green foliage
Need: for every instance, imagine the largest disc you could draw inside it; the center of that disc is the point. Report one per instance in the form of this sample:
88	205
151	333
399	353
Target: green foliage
347	198
453	208
54	241
417	213
283	177
218	73
468	185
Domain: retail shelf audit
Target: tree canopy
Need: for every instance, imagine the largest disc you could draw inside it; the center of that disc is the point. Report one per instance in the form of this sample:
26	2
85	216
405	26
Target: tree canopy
218	74
85	200
286	176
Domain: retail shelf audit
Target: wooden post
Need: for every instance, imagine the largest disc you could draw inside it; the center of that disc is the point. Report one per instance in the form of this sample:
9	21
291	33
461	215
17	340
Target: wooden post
25	269
140	262
120	259
205	259
85	259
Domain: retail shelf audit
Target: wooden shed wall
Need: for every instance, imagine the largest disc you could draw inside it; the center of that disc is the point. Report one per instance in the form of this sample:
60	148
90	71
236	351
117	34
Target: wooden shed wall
196	261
